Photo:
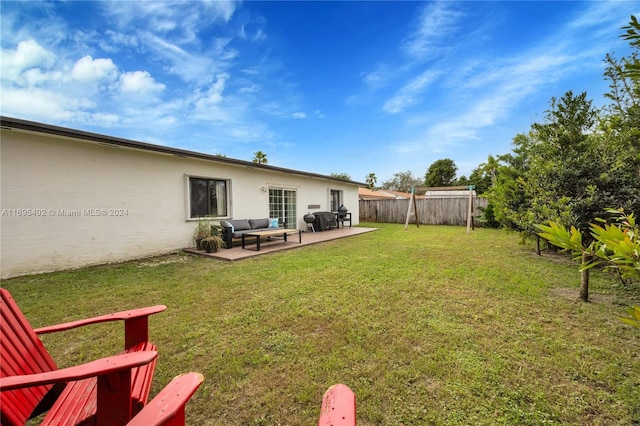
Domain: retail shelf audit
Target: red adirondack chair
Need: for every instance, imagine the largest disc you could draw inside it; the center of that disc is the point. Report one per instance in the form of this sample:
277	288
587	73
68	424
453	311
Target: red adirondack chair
109	391
168	407
338	407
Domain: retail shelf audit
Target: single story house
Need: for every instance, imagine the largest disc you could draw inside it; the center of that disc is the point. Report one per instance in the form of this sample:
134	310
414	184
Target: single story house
72	198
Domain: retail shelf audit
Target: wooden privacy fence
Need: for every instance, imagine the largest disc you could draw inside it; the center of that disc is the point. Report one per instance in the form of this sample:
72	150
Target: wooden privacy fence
431	211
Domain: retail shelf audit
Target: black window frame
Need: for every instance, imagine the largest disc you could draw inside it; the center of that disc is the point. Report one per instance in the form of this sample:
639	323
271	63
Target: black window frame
203	191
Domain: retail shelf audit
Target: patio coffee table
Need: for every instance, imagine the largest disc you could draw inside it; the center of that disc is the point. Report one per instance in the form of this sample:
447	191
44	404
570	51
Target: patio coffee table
271	233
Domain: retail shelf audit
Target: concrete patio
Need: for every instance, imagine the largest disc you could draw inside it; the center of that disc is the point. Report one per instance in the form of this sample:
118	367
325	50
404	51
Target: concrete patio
277	245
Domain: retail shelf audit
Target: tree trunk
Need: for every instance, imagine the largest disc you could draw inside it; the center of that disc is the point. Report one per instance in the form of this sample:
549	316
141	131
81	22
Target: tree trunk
538	245
584	280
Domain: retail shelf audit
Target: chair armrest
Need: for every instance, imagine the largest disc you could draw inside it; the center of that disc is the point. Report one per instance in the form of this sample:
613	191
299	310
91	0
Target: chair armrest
168	407
136	324
338	407
95	368
116	316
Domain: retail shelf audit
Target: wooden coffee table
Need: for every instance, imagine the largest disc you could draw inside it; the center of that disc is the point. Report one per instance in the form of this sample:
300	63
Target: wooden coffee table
276	233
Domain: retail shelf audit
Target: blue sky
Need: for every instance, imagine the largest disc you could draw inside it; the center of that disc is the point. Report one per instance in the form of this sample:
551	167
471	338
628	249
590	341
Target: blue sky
326	87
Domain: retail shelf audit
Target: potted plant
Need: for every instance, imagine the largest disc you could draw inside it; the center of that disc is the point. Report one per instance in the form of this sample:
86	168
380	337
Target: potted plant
202	231
212	243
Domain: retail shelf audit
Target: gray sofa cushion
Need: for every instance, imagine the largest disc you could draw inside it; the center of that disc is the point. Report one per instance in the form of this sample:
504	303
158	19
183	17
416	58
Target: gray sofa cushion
239	224
258	223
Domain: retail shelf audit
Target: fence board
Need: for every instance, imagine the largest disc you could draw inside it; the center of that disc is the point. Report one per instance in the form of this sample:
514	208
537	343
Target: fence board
431	211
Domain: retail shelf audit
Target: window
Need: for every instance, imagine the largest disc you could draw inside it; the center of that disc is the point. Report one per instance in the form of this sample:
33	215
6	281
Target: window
336	199
208	197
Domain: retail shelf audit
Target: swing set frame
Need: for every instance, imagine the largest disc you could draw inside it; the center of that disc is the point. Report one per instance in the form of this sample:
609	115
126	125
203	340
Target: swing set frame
413	205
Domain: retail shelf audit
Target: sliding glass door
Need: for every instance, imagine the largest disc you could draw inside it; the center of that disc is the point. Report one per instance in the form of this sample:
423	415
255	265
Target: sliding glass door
282	204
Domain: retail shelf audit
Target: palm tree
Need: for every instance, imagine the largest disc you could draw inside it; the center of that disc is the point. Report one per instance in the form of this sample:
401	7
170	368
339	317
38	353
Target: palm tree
260	157
490	167
371	181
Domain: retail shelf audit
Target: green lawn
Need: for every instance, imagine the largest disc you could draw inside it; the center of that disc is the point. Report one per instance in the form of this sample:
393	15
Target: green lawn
427	326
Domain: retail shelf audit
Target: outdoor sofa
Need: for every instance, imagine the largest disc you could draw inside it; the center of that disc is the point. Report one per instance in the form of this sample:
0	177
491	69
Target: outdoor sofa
234	228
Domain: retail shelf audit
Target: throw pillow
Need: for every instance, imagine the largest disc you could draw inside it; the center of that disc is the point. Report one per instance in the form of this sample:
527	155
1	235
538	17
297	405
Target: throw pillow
273	223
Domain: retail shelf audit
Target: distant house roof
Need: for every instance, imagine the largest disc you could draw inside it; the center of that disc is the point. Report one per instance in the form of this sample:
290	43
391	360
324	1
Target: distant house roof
461	193
367	194
397	194
35	127
382	194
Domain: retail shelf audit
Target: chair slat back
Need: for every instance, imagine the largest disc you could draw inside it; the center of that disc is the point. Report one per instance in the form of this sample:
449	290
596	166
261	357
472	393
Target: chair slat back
21	352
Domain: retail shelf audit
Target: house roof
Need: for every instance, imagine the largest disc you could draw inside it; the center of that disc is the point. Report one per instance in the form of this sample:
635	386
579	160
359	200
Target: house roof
460	193
383	194
367	194
9	123
398	195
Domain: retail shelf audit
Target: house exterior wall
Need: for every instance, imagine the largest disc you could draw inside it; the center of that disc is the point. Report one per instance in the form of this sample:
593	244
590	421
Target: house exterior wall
68	203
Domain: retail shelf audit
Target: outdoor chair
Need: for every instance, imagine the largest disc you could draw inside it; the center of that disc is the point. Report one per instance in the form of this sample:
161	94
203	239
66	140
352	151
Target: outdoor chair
338	407
168	407
108	391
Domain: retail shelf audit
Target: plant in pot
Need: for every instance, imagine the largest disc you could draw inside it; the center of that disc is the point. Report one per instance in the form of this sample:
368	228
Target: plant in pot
212	243
202	231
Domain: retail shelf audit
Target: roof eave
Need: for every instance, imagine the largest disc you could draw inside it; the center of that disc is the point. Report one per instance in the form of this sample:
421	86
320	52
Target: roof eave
32	126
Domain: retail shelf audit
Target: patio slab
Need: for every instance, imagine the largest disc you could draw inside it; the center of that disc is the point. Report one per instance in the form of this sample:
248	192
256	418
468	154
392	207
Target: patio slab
266	247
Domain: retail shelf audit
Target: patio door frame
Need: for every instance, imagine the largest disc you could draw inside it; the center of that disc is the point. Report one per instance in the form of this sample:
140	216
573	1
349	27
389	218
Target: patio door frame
283	204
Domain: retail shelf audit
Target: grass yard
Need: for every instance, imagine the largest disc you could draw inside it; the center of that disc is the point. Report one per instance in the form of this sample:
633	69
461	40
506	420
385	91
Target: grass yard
427	326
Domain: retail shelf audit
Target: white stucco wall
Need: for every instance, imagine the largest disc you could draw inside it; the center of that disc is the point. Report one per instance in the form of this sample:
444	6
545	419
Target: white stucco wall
69	203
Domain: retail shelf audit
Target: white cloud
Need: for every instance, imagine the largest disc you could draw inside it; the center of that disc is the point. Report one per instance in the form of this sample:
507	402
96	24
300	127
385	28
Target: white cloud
436	21
253	30
407	94
184	20
191	66
299	115
214	93
208	104
114	41
89	69
139	82
51	105
486	93
27	55
426	40
378	78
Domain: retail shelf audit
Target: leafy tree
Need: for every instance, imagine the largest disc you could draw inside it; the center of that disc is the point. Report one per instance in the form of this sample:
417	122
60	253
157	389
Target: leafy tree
343	176
508	196
480	180
441	173
490	169
371	181
615	245
260	157
402	182
623	122
571	167
463	181
562	180
488	217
